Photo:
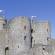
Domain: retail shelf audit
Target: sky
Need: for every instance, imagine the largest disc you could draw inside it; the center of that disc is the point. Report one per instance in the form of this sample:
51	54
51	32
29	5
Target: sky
43	9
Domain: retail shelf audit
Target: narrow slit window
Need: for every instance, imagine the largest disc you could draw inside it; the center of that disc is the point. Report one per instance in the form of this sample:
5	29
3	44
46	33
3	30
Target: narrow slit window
25	27
31	30
47	30
18	46
24	37
4	26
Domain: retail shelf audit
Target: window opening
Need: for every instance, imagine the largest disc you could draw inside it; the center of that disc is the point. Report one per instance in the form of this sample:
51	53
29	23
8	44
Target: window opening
25	27
24	37
47	30
43	48
18	46
31	30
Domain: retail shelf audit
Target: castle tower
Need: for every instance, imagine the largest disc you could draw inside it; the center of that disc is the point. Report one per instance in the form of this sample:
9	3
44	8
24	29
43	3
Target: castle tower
2	36
19	35
2	23
40	32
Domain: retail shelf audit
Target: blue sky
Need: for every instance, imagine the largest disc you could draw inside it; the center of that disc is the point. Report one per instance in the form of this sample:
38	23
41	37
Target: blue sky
44	9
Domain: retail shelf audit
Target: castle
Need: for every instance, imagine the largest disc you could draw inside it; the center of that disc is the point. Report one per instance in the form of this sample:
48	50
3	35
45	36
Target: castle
23	36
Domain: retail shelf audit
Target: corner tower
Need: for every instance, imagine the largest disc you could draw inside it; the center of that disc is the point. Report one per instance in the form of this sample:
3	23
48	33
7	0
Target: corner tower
41	32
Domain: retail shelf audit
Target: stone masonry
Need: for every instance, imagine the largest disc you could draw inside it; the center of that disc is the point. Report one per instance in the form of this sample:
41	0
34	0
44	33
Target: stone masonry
23	36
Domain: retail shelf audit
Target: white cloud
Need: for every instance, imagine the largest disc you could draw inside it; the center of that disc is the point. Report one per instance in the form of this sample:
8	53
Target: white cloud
1	10
33	16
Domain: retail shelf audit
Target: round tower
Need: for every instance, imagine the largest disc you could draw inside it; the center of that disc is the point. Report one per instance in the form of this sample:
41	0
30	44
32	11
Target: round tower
19	34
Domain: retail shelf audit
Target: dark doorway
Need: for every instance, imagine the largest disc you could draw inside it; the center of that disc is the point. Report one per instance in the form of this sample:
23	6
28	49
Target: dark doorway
6	50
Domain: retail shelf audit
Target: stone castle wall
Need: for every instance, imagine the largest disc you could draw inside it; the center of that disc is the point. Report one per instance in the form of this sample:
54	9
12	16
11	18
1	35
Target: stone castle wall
20	36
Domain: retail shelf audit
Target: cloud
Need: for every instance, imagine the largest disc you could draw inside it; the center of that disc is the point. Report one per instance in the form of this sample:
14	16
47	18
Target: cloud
33	16
1	10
